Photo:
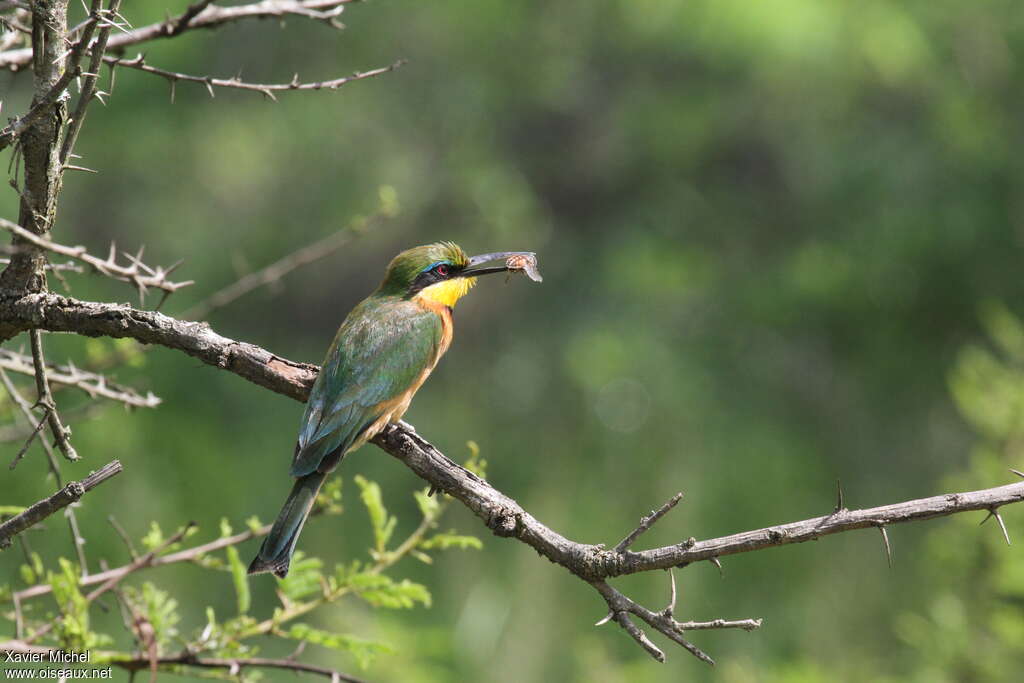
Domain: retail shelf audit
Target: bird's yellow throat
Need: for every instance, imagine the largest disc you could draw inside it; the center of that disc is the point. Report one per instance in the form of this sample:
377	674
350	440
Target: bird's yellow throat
447	292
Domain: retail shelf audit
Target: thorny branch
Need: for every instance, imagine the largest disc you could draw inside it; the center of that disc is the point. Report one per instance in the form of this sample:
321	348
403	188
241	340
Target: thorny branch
72	71
61	499
503	515
142	276
209	17
61	434
93	384
267	89
88	88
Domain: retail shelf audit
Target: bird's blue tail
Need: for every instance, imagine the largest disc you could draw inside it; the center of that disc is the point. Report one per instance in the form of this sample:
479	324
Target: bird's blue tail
276	552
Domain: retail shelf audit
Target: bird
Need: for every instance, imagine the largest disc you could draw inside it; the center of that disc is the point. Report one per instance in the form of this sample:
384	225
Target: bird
383	352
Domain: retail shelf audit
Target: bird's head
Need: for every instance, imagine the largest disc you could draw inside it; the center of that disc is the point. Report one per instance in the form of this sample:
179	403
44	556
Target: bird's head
439	272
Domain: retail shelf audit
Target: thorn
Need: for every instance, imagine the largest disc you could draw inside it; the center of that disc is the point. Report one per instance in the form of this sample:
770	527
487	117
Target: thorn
606	619
888	548
994	512
839	497
672	600
718	563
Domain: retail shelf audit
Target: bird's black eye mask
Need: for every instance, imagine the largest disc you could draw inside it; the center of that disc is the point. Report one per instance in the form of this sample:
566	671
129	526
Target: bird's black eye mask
432	274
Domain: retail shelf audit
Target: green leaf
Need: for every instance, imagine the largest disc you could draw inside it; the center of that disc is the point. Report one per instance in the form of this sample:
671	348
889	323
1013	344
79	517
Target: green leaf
304	578
390	595
154	538
380	590
240	578
34	570
446	541
363	650
429	505
225	527
254	524
383	523
474	463
73	630
159	608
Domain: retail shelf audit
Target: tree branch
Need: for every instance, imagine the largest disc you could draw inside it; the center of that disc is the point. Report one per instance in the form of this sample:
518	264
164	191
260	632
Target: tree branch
208	17
187	555
138	273
266	89
503	515
93	384
186	659
61	434
11	132
61	499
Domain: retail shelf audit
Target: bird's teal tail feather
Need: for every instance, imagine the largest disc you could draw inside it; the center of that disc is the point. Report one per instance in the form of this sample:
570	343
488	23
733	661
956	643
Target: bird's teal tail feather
276	552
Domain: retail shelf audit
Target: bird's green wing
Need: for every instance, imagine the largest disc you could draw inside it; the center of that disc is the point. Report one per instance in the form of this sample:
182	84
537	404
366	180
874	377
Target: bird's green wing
379	352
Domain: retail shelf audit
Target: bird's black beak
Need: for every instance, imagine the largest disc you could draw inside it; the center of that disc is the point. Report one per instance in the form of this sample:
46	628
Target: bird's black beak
525	263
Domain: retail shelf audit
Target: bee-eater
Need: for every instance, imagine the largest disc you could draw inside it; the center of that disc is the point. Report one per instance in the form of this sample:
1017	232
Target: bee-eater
382	353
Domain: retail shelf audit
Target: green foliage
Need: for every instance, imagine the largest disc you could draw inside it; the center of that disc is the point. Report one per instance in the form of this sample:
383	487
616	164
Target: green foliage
33	571
303	580
72	628
379	590
449	540
158	608
383	523
240	580
363	650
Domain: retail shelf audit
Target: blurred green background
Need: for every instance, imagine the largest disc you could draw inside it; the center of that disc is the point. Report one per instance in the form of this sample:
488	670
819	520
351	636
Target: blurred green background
773	238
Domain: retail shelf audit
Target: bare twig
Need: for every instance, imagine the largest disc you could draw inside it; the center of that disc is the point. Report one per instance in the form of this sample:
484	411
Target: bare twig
647	522
67	266
26	410
181	23
187	555
138	274
61	434
62	498
272	273
93	384
85	411
31	437
267	89
124	537
210	17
